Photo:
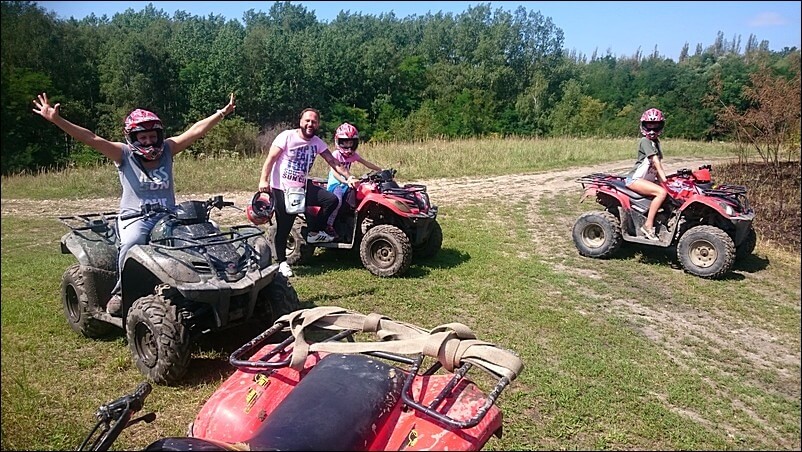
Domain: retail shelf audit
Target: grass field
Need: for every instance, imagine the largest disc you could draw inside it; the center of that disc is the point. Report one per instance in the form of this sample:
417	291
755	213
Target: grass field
626	353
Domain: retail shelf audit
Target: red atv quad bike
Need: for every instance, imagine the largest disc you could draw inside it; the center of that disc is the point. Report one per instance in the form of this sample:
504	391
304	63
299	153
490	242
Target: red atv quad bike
322	389
710	225
386	222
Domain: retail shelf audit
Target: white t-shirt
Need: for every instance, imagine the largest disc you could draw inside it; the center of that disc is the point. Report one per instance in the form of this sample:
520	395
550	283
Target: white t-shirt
296	160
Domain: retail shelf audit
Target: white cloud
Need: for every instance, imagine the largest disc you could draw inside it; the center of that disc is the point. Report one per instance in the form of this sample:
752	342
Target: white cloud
767	20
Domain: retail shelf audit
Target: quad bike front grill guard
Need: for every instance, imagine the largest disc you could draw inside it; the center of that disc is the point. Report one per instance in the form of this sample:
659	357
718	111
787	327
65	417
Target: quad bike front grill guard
453	346
201	245
734	193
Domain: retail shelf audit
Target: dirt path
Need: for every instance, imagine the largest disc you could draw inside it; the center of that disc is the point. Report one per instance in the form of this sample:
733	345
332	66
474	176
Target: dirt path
443	192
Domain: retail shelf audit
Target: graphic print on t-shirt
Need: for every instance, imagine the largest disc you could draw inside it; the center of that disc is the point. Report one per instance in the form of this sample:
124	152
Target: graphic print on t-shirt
299	162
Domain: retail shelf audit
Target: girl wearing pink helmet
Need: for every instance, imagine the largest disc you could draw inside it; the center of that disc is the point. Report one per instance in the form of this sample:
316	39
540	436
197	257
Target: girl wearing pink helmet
346	140
648	169
144	164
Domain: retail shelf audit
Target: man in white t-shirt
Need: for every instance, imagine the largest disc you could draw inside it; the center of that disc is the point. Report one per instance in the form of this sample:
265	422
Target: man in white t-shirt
287	166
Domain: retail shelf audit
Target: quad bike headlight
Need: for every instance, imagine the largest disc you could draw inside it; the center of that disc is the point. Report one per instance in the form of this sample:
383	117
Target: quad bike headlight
400	206
727	208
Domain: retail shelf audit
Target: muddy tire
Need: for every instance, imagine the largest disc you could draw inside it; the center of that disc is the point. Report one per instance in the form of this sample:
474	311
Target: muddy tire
385	251
432	245
278	298
297	250
706	251
748	245
597	234
78	305
158	341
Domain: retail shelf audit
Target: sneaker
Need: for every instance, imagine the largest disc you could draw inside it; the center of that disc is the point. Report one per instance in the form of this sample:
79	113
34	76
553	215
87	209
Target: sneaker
648	233
284	269
318	237
115	305
330	231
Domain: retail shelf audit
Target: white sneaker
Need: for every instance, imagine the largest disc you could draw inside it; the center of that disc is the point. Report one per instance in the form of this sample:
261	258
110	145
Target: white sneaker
319	237
648	233
284	269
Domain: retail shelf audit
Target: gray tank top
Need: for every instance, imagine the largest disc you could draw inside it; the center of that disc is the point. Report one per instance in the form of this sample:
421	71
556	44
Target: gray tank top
141	186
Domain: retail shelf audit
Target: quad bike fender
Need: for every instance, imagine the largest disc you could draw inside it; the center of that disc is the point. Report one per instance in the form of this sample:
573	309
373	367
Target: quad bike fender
394	205
716	215
237	409
146	267
91	249
607	196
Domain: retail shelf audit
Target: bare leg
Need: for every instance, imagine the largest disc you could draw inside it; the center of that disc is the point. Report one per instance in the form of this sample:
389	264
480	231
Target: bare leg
646	188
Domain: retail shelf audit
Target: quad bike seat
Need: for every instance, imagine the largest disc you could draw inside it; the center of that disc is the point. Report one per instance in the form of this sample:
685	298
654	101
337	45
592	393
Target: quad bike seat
336	406
621	186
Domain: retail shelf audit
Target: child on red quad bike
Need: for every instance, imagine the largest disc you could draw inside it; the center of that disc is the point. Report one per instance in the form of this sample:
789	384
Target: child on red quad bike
346	140
386	222
710	225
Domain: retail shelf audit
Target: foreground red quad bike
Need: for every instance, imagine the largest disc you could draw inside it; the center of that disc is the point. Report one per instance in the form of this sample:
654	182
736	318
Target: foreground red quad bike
387	223
709	225
324	388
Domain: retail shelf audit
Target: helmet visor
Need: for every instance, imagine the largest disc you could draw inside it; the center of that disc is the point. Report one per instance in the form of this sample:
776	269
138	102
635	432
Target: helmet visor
654	126
347	143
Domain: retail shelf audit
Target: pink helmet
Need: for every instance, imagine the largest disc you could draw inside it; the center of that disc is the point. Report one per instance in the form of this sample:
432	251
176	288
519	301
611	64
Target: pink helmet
139	121
349	133
652	123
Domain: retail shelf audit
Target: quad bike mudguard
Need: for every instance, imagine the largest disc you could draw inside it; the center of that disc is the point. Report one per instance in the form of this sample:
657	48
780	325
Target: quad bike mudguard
95	244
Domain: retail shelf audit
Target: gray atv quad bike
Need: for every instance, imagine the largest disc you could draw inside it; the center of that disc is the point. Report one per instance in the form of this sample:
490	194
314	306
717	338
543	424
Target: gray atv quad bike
190	279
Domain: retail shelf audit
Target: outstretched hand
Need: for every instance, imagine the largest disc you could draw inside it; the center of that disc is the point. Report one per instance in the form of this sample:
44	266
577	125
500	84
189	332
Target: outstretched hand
228	109
45	110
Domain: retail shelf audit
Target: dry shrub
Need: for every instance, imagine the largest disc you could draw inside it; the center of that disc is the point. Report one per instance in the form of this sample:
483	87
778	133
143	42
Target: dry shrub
774	193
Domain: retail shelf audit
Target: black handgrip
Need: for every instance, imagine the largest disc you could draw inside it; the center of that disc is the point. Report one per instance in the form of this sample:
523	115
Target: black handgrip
146	210
130	216
134	401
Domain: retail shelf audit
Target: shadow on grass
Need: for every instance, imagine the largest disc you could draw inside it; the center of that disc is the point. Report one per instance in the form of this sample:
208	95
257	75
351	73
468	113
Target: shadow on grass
330	260
216	348
668	256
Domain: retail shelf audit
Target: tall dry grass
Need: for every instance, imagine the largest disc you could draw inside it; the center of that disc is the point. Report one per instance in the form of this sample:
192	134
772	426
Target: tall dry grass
414	161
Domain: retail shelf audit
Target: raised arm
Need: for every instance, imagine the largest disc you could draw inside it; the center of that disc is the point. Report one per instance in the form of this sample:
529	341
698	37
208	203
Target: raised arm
199	129
112	150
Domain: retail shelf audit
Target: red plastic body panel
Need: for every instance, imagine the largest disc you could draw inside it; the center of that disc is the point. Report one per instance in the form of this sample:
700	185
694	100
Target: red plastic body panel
235	412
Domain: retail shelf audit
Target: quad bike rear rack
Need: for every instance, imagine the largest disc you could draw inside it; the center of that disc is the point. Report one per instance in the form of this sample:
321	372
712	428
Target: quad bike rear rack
414	370
96	222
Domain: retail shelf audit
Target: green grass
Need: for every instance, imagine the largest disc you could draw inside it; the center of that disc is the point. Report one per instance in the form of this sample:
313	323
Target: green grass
624	353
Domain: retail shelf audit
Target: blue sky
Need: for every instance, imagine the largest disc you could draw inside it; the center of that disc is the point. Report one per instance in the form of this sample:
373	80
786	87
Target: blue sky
620	27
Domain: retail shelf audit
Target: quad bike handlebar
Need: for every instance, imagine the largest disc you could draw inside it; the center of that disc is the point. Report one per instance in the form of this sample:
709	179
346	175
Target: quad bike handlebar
150	209
115	416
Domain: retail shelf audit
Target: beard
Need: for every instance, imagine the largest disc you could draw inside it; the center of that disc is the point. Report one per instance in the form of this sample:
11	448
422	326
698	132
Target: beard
308	132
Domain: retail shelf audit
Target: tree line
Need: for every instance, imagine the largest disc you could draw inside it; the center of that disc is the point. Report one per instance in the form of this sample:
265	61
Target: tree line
479	73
